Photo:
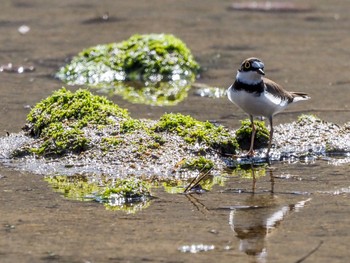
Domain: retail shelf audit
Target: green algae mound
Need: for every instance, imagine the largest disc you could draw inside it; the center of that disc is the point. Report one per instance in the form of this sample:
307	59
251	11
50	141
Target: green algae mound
155	69
68	122
244	134
59	119
76	109
193	131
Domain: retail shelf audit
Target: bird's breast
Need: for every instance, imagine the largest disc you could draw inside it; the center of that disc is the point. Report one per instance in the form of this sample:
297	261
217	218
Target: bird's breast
257	103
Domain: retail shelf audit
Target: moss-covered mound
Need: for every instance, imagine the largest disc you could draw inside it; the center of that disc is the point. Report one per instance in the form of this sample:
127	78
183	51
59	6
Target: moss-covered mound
243	134
75	109
58	120
153	69
193	131
68	122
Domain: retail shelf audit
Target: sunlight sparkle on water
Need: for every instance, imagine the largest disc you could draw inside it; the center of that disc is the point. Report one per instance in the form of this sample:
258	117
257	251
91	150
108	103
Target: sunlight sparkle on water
195	248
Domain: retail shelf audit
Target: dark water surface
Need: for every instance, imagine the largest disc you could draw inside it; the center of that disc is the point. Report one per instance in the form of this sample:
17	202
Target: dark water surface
310	207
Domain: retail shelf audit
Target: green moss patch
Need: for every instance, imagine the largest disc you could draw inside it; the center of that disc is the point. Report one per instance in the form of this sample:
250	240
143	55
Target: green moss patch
244	134
59	139
59	121
306	119
75	110
130	125
193	131
154	69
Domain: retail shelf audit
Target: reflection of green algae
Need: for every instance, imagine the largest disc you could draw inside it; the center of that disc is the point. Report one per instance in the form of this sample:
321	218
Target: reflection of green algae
129	208
243	134
129	195
210	181
178	186
249	171
126	189
174	187
199	163
157	94
73	187
155	69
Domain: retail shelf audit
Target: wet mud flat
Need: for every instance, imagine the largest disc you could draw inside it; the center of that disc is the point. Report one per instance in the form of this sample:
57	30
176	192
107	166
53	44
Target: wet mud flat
309	208
229	221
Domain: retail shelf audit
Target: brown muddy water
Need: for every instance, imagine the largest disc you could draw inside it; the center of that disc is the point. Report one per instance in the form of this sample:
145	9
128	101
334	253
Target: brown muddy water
305	219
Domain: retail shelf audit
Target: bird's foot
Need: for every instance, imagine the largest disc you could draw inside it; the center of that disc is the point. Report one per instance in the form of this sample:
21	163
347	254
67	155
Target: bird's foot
250	153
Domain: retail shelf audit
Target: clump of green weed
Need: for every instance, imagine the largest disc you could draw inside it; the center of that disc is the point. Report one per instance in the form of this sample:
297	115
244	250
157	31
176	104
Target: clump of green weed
149	57
244	134
194	131
59	120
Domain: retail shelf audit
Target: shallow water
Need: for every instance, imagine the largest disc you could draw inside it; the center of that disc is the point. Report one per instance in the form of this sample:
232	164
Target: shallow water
304	51
304	210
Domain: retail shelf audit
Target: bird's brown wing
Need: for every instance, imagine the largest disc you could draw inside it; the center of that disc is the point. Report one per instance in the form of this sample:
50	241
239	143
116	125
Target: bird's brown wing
278	91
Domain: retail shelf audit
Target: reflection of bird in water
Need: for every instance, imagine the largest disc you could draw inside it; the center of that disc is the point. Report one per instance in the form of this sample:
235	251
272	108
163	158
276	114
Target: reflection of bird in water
259	96
253	221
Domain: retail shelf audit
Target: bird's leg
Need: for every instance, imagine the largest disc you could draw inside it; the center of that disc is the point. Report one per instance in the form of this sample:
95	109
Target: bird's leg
251	149
254	178
270	139
272	180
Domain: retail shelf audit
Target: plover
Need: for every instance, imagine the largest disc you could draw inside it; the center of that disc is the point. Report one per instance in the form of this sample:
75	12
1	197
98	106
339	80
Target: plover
260	96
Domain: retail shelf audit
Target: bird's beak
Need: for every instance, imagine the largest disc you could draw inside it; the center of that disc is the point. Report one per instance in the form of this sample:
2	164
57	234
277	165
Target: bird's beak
261	72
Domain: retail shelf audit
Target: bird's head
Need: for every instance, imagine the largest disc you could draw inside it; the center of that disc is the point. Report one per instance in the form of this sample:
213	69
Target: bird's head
251	71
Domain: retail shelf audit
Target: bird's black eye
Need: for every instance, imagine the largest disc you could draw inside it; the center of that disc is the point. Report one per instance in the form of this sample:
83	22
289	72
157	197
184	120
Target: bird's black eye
247	65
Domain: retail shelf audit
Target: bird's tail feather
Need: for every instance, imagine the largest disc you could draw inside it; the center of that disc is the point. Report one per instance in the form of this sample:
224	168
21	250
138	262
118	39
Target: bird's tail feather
297	96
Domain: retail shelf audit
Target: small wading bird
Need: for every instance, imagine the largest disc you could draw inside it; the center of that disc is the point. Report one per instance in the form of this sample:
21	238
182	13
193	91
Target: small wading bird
259	96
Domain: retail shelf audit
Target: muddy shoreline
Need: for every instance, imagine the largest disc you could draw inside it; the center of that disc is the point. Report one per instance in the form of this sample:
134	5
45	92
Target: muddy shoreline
304	51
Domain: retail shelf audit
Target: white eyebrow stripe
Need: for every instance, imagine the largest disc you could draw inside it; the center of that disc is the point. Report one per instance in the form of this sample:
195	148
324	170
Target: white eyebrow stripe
257	64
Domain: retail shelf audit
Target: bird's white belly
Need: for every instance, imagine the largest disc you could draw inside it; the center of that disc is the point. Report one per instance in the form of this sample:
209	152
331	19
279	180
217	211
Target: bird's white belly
254	104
